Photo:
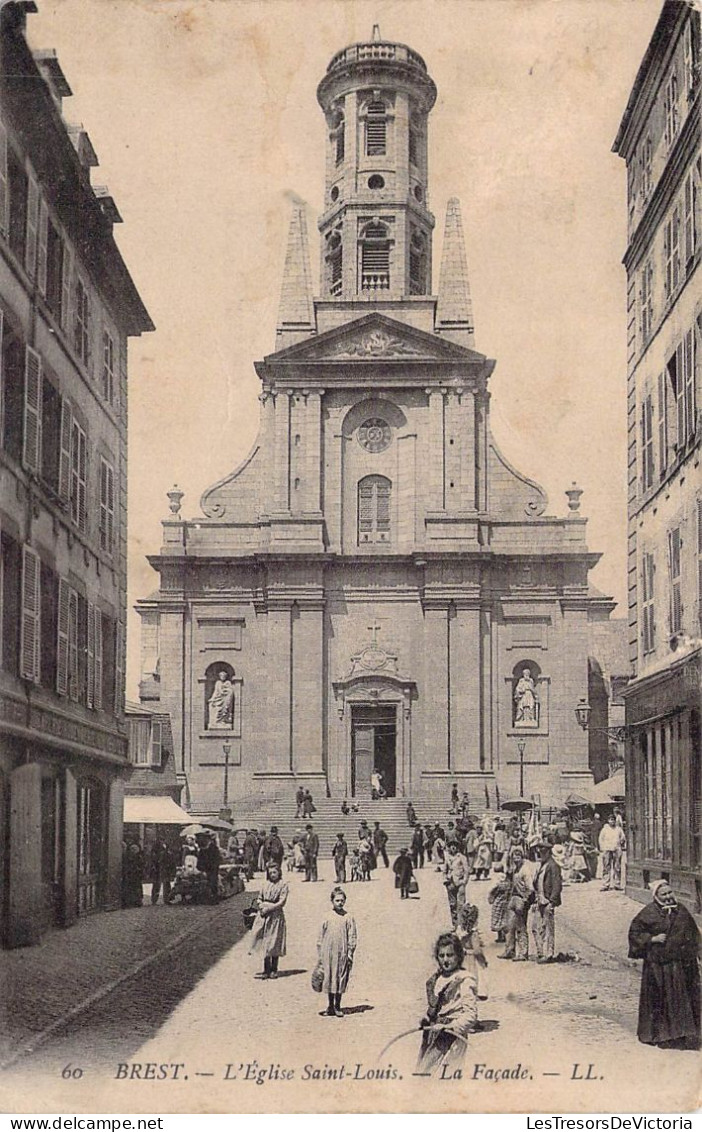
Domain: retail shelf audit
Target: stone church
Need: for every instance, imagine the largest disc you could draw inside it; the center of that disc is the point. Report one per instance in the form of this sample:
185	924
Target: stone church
375	589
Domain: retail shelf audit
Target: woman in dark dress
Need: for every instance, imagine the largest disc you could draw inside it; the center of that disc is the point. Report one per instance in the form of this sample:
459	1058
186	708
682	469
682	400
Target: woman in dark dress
667	938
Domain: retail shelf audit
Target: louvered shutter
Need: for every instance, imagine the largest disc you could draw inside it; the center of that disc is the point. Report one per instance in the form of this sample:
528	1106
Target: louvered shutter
64	481
32	230
42	246
97	694
156	743
29	625
64	592
67	292
119	667
73	673
31	447
90	667
4	202
2	382
662	423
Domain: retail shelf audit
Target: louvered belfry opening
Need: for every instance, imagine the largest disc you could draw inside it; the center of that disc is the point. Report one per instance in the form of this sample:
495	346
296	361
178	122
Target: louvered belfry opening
376	129
374	493
375	258
335	263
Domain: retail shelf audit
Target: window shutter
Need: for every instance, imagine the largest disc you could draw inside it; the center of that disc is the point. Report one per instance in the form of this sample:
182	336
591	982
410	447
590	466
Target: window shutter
97	696
156	743
67	291
64	482
64	593
662	424
32	231
119	667
30	633
2	356
90	667
73	686
42	246
31	448
4	209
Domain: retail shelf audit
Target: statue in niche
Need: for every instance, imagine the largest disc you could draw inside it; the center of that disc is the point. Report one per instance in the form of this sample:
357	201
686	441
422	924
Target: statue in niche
220	706
526	701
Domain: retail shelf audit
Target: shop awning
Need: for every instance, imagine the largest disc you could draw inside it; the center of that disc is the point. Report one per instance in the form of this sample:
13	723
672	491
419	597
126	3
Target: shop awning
154	809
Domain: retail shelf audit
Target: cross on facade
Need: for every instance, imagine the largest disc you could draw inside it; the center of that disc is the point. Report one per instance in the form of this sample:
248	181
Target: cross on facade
374	630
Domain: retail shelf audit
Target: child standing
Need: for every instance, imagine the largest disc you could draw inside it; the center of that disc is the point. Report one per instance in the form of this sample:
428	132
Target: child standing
404	872
452	1008
335	950
474	959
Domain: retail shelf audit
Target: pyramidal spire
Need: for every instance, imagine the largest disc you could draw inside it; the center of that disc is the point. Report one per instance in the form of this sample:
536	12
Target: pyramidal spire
296	312
454	310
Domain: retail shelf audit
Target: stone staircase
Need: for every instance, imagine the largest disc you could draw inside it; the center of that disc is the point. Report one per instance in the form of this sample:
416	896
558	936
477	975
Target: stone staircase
328	819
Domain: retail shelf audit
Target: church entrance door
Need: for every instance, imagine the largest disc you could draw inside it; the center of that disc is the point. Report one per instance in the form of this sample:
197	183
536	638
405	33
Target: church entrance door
373	747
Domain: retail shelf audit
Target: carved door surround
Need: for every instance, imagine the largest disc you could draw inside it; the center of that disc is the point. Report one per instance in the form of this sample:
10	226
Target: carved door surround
374	688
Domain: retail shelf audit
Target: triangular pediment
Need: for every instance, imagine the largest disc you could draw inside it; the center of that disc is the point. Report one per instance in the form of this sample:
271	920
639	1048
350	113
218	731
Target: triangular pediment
374	338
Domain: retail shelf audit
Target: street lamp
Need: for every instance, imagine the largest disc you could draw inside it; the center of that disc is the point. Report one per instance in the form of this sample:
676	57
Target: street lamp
227	748
582	714
521	746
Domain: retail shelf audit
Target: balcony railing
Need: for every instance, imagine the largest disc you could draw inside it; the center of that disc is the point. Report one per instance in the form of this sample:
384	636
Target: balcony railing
375	281
360	52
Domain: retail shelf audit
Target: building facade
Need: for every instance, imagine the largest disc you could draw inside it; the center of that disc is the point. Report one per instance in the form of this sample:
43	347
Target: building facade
67	308
659	138
375	587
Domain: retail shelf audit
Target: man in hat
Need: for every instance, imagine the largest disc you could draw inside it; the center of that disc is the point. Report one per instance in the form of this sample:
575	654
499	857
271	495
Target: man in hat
611	847
548	884
208	861
273	848
380	840
311	851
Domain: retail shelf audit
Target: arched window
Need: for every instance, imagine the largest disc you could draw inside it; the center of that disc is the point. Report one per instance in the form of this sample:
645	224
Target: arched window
334	262
374	509
376	128
375	257
418	264
219	696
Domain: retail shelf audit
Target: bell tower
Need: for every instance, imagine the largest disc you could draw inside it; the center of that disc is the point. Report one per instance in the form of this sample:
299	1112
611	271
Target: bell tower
376	228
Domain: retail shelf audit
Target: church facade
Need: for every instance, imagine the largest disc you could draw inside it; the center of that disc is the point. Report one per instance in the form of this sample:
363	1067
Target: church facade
375	589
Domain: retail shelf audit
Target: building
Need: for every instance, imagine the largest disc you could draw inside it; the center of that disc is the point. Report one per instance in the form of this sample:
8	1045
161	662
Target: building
67	308
152	791
375	586
659	138
608	675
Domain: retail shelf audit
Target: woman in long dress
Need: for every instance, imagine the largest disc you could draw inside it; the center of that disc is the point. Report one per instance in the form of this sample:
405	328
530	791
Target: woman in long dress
269	931
452	1009
666	937
335	950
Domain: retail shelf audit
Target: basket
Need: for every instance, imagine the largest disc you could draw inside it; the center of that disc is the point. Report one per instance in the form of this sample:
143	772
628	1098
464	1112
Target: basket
317	978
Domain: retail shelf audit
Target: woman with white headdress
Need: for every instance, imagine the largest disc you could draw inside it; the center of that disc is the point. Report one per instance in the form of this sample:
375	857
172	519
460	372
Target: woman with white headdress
666	937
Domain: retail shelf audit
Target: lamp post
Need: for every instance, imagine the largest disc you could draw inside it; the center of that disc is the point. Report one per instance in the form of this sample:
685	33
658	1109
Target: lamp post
227	748
582	714
521	747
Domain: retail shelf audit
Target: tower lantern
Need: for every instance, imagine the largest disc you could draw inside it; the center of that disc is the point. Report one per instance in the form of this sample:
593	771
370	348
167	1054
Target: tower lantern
376	227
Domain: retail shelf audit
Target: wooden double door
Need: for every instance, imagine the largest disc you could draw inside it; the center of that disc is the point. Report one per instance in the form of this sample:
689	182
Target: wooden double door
373	748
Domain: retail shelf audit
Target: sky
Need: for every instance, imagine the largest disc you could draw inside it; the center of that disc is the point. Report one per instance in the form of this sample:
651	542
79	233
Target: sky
204	118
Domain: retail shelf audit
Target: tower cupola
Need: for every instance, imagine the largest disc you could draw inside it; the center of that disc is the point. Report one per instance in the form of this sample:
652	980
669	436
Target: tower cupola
376	227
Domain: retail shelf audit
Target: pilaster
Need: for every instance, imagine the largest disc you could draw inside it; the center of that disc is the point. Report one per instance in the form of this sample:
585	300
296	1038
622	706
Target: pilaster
436	682
307	659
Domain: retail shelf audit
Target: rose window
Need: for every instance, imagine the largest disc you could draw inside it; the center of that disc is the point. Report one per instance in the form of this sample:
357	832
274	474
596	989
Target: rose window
374	435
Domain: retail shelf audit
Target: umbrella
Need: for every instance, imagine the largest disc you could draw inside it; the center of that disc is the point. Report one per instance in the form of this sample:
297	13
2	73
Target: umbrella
516	804
192	830
217	823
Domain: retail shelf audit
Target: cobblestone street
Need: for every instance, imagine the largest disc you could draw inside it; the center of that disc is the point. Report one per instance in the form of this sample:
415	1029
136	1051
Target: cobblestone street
222	1034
